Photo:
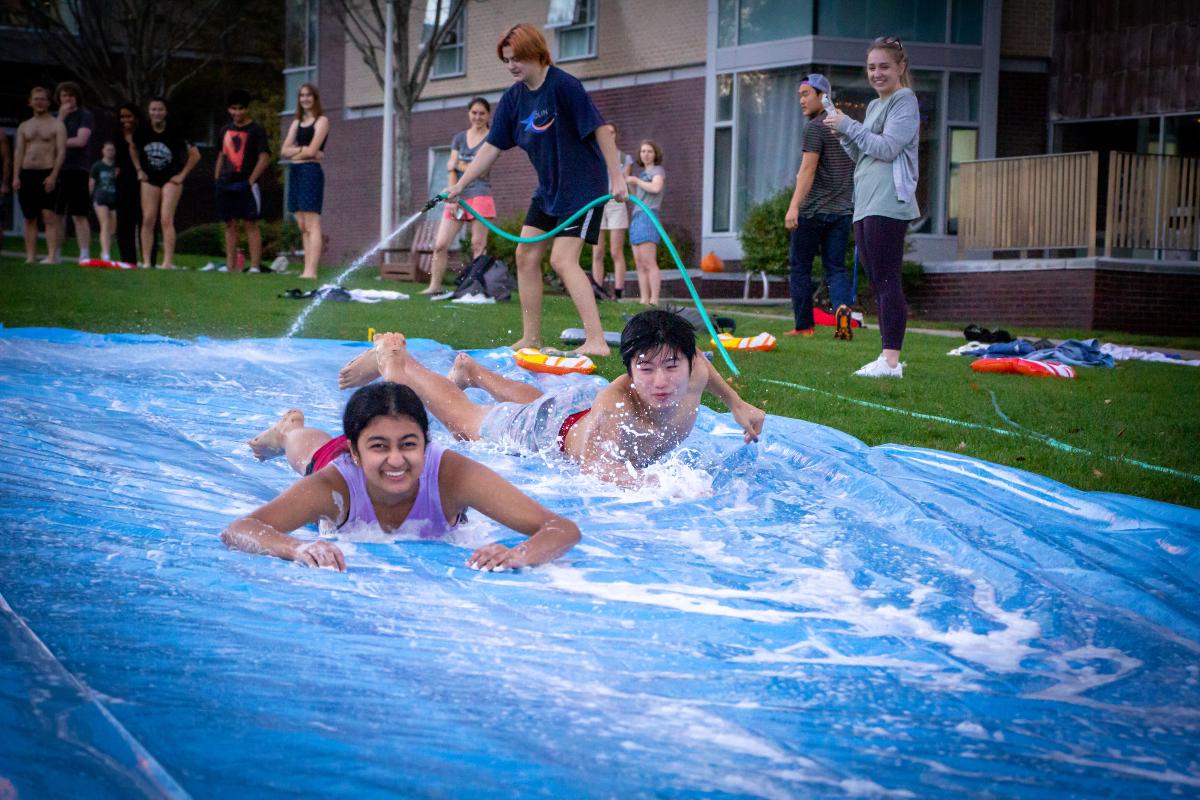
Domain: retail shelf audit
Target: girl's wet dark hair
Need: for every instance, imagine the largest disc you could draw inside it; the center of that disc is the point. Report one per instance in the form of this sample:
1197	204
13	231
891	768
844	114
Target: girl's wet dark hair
481	101
653	330
382	399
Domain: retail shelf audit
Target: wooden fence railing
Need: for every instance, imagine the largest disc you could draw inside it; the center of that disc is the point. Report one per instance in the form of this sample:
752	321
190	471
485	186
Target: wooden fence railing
1153	203
1030	203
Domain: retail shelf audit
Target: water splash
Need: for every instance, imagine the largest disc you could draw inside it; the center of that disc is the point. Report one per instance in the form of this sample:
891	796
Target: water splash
358	262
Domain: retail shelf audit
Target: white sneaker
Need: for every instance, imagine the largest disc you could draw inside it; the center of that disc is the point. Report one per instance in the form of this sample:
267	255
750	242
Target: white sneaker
280	264
879	369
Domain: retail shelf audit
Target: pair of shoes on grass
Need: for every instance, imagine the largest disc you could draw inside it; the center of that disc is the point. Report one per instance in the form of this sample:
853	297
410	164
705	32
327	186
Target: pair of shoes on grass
879	369
809	332
974	333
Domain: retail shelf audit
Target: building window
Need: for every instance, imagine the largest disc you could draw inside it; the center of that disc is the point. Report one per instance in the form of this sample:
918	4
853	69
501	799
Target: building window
299	50
758	125
910	20
439	162
449	62
574	23
964	146
753	21
966	21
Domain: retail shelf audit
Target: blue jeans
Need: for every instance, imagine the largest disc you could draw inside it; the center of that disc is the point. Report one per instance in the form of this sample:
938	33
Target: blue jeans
829	234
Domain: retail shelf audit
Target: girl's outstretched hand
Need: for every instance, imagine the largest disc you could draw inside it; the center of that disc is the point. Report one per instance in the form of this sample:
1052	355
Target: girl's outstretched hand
320	554
495	557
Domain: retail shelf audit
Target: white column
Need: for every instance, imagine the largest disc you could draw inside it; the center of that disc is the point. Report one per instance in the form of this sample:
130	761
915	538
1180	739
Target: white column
386	176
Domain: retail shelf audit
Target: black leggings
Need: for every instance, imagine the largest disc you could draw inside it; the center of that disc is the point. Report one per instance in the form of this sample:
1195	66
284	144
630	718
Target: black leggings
880	242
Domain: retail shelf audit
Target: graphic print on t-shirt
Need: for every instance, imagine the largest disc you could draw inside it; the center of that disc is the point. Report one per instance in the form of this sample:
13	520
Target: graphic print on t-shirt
158	154
234	147
531	125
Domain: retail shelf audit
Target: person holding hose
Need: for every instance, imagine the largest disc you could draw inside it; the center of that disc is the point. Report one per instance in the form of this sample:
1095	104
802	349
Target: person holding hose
884	149
548	114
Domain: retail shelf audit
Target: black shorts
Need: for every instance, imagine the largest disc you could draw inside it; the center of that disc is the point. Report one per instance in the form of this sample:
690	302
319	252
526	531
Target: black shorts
33	195
159	179
238	200
73	197
587	227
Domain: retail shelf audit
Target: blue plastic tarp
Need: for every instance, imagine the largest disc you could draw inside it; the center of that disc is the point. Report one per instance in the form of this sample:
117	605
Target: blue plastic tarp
803	617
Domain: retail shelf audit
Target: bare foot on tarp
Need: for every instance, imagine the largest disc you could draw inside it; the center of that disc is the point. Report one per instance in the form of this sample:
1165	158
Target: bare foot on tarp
269	443
463	372
391	356
360	370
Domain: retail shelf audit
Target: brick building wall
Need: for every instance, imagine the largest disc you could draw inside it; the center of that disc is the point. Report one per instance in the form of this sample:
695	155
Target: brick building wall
629	38
1156	303
1027	29
667	112
1022	114
1166	304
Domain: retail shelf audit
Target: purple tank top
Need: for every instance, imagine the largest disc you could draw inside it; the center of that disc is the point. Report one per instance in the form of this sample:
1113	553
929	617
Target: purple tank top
426	519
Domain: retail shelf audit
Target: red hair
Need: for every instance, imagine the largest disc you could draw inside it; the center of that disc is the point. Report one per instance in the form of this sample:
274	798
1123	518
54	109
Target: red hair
527	44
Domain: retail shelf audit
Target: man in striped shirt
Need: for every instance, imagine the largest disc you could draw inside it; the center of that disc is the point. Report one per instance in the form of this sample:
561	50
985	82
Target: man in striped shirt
819	213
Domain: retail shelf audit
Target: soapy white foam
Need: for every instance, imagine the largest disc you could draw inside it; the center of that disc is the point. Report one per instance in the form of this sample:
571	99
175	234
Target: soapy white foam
971	729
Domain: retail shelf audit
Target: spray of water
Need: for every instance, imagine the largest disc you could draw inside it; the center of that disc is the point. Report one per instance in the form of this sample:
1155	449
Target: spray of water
346	273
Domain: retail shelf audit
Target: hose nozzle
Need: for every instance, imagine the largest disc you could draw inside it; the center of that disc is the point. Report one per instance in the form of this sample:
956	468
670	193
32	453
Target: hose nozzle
433	201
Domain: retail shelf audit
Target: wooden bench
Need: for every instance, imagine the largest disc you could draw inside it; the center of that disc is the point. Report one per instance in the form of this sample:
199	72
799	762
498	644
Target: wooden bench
412	262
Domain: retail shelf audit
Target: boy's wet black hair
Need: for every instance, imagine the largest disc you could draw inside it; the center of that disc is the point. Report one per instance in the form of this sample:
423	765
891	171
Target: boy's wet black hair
655	329
238	97
382	399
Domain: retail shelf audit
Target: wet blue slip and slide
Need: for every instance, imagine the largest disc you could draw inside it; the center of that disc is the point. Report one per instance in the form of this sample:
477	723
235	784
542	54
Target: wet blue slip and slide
802	617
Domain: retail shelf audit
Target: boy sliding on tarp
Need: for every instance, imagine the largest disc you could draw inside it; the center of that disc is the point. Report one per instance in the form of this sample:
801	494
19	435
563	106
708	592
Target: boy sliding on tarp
612	432
548	114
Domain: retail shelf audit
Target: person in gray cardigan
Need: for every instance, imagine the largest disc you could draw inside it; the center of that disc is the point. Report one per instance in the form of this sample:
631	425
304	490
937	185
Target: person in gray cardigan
884	148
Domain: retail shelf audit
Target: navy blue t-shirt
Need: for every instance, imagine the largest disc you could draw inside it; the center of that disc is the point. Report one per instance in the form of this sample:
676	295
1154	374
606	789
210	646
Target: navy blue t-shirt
556	126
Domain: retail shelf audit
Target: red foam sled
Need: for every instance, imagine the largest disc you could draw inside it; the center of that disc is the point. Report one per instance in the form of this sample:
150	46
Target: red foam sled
99	263
823	317
1023	366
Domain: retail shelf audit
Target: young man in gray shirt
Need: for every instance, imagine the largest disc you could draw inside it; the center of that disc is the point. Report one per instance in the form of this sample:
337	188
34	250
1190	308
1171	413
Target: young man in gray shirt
819	213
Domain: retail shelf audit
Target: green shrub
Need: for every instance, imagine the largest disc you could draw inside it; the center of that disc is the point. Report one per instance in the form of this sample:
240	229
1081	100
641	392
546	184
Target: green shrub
202	240
208	239
763	235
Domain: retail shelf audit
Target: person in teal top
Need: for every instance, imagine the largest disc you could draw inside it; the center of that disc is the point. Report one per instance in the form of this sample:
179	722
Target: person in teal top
884	149
103	188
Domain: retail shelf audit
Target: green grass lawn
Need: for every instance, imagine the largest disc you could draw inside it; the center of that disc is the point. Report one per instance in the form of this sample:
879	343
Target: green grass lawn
1138	411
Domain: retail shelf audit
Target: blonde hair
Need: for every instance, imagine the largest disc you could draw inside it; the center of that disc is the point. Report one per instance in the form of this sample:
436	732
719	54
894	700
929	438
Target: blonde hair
894	46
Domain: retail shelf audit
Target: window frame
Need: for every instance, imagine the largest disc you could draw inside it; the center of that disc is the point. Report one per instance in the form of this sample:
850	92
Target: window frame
461	46
590	25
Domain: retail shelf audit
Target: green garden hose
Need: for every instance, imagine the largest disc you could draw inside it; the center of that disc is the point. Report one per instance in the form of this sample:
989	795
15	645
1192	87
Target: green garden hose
599	201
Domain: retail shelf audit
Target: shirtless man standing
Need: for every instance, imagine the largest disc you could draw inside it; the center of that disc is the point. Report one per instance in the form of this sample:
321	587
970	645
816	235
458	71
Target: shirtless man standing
41	148
612	432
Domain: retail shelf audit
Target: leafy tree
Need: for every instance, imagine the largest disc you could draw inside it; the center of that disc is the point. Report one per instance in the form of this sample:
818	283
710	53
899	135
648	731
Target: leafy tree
133	50
365	25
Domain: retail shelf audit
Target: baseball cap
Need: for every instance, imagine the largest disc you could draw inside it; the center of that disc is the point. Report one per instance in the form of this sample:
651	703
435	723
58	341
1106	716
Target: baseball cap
818	82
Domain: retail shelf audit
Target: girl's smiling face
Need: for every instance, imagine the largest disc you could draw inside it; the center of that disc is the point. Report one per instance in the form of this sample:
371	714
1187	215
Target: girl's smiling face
478	116
883	71
391	452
